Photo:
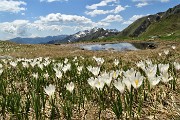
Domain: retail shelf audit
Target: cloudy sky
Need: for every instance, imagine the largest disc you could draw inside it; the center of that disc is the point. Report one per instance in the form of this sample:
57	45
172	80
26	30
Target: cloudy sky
39	18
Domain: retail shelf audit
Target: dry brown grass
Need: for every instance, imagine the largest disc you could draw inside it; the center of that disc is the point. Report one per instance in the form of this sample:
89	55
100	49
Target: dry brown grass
69	50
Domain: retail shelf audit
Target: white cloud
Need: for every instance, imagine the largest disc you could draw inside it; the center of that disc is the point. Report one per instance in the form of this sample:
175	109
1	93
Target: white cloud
68	20
142	4
51	0
101	24
116	10
17	27
45	27
133	18
58	17
24	28
112	18
12	6
94	6
102	3
52	24
97	12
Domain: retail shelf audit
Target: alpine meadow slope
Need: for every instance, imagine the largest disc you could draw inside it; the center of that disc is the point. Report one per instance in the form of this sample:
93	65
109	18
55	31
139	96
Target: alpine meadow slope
162	25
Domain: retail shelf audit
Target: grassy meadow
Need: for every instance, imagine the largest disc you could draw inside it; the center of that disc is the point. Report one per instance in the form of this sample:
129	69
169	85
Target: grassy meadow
65	82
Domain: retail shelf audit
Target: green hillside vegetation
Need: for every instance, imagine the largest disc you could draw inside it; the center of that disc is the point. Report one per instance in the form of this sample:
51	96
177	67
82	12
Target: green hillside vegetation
163	25
129	31
168	27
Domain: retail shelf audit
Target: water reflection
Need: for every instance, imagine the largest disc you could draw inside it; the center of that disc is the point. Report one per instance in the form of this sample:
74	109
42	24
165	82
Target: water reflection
114	47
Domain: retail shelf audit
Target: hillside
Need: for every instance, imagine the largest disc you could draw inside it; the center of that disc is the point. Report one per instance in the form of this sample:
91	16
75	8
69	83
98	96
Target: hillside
163	24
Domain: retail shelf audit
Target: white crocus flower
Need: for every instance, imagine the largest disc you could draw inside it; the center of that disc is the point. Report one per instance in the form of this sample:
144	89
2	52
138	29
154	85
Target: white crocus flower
82	57
136	80
151	71
40	66
13	64
116	62
32	64
66	68
141	64
50	90
76	63
1	65
70	87
46	75
40	59
46	58
94	70
160	54
75	58
19	60
163	68
165	77
1	71
25	64
166	52
119	85
99	61
35	75
99	83
91	82
127	82
59	74
148	62
46	63
154	80
115	74
129	73
55	69
79	68
173	47
107	78
60	65
177	65
65	61
4	61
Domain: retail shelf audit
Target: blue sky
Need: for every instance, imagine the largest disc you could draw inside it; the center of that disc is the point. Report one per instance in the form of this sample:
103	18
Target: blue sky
40	18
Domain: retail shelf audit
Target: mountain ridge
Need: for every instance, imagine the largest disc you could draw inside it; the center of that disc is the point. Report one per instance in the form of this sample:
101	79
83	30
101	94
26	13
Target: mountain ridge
95	33
157	24
37	40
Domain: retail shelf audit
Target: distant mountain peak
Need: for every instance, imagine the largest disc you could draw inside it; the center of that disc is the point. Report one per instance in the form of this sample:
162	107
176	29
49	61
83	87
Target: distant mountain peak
94	33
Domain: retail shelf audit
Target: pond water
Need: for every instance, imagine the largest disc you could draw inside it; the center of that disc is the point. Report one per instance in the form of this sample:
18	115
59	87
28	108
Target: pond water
114	47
